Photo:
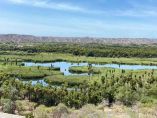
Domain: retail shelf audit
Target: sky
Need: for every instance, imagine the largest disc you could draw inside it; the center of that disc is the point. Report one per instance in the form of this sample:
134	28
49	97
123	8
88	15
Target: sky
80	18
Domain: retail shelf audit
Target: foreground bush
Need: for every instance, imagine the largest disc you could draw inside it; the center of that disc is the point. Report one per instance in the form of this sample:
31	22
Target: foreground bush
42	112
24	107
8	106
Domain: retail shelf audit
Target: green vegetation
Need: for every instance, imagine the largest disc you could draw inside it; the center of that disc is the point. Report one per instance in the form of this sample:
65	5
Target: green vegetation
61	79
84	70
93	50
22	72
127	87
14	57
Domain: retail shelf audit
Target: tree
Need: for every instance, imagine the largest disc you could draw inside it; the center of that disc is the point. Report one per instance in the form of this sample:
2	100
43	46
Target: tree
90	70
90	54
126	95
9	95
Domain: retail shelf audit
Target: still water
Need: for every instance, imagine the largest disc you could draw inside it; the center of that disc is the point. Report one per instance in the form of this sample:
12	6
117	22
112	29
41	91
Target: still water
64	68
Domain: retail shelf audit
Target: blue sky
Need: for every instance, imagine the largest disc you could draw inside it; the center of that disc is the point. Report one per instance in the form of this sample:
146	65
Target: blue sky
94	18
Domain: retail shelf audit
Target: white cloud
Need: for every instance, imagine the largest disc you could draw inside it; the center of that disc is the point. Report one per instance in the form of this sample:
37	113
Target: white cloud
17	1
49	5
137	10
135	13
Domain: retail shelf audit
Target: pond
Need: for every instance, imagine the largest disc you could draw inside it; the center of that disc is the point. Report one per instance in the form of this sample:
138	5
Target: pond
41	81
35	81
64	66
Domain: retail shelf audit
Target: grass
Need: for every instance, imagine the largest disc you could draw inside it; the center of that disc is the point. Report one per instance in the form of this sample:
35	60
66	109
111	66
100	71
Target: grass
51	57
70	80
76	69
27	72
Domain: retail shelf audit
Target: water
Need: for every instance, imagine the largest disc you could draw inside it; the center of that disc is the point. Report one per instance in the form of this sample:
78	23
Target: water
64	66
131	67
35	81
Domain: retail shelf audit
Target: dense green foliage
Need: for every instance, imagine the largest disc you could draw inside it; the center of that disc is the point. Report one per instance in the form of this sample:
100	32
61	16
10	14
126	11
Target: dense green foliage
93	50
126	89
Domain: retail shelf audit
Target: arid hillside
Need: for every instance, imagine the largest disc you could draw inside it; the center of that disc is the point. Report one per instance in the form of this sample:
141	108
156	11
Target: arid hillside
122	41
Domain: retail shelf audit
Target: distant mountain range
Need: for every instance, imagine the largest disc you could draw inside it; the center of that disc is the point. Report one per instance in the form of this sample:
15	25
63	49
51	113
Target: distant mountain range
30	38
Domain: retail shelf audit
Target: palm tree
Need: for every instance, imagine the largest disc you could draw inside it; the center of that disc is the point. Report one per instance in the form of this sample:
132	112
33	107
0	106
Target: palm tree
29	88
90	71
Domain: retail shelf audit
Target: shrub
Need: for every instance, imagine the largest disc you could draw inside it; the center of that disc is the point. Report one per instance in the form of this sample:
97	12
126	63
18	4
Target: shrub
8	106
43	112
61	111
24	107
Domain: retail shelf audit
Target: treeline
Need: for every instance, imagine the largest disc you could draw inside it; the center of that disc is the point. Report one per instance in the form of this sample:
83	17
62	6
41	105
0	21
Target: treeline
93	50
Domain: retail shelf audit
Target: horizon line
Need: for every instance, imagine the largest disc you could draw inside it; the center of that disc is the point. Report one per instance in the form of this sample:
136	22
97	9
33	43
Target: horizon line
77	36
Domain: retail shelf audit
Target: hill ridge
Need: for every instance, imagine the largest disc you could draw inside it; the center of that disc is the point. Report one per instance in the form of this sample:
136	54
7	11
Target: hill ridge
17	38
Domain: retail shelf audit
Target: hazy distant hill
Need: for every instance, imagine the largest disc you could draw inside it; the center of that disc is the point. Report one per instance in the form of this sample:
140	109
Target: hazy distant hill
29	38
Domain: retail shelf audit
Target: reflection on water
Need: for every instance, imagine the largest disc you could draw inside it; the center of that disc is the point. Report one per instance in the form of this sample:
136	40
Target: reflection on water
64	66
